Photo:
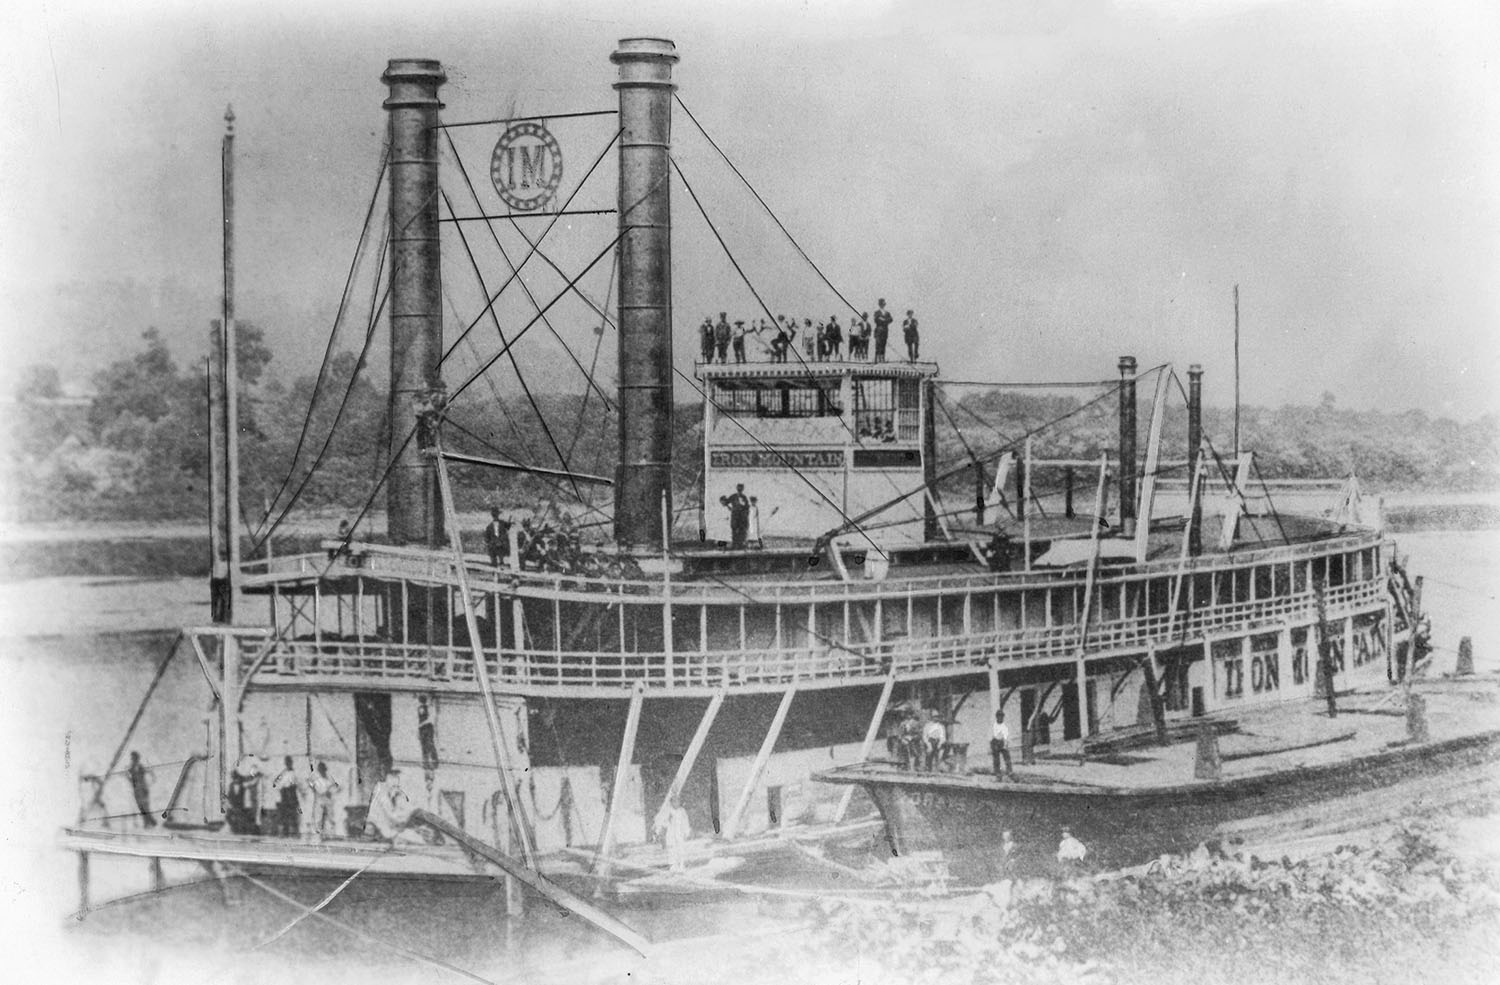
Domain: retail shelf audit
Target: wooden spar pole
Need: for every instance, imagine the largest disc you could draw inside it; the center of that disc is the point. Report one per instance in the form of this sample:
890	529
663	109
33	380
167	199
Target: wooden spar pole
231	381
695	746
1236	371
759	766
666	589
481	668
870	734
622	773
1080	671
1188	532
1026	499
1153	457
538	883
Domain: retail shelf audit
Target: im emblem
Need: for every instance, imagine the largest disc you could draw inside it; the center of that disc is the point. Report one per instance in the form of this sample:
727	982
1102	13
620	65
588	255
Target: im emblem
527	166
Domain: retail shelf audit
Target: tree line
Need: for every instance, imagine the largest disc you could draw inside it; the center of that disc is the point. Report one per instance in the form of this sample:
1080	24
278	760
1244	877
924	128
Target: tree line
137	448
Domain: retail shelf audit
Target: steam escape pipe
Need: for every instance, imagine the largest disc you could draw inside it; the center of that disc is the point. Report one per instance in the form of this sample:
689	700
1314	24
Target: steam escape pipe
416	298
1127	445
644	474
1195	443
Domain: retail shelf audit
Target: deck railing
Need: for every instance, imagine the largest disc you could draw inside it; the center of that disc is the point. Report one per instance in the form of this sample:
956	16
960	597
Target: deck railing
429	568
419	666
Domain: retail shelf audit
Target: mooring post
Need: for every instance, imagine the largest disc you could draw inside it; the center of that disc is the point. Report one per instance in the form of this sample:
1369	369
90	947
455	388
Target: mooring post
1465	657
83	884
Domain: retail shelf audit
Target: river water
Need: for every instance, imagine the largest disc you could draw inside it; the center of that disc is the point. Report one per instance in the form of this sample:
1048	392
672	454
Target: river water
77	654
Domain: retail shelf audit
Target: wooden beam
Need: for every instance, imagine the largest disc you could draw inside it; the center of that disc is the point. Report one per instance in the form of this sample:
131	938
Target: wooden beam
695	747
481	669
1147	501
759	766
537	882
870	734
622	770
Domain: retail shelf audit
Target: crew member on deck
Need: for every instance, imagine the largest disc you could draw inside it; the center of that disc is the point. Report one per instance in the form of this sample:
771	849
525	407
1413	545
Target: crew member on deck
933	737
706	339
835	337
323	788
739	515
497	537
1000	746
140	786
288	804
909	335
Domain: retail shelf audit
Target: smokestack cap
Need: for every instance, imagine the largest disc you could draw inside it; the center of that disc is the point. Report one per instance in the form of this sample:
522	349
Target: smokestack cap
1127	364
645	62
413	82
1195	370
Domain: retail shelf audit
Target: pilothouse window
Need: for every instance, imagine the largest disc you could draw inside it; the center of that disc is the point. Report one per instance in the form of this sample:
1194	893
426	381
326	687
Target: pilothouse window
887	410
784	398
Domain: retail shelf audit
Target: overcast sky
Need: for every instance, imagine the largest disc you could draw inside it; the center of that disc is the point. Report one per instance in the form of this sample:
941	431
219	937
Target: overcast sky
1049	185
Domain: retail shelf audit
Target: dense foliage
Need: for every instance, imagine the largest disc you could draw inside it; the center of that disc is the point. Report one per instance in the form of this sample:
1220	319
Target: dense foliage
137	448
1352	915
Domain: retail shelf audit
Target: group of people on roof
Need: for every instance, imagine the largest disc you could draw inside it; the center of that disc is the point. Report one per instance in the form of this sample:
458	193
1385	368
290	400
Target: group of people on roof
821	341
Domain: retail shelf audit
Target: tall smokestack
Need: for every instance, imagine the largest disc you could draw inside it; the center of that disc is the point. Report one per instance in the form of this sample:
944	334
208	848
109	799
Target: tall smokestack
1195	442
644	474
416	298
1127	445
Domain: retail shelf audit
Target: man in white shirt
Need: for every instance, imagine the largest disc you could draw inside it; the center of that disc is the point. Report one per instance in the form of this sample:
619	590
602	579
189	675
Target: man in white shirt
1000	746
933	737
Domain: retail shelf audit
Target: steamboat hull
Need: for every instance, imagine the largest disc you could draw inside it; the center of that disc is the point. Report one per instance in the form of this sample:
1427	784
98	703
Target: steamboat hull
964	818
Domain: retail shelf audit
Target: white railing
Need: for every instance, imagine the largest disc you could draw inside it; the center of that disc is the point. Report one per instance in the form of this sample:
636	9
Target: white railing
426	567
308	662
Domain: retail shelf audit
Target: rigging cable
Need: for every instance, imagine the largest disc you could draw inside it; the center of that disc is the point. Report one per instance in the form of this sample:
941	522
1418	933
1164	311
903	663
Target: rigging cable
533	251
333	333
488	224
594	363
763	204
527	327
992	455
520	377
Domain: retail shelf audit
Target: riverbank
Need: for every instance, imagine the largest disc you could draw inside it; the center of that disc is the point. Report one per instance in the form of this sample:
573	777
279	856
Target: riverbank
180	550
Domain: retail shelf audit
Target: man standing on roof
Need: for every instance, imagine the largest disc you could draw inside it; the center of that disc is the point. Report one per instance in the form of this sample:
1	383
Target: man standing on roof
835	337
706	339
739	341
883	321
739	515
722	332
909	334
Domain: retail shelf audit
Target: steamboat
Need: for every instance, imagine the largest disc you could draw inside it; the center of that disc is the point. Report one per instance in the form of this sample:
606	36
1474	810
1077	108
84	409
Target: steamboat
553	716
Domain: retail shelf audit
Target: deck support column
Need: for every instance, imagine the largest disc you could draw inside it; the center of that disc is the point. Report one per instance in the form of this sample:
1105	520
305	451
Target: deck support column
993	668
158	880
759	766
695	746
869	743
622	772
